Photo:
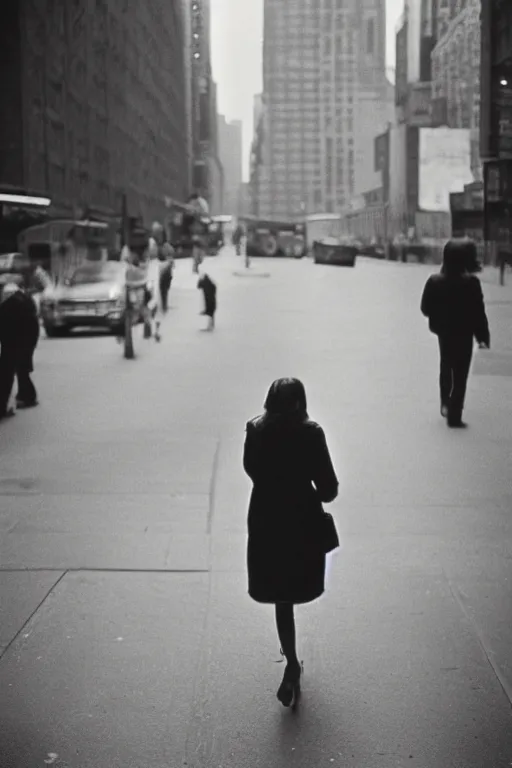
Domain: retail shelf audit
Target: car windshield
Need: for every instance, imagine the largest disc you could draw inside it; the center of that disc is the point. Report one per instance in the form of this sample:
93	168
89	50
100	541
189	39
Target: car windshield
101	273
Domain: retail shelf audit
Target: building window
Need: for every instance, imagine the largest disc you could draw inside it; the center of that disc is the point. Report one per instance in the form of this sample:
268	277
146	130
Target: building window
370	37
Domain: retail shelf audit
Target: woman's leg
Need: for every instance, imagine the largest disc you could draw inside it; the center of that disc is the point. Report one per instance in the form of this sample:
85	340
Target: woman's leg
285	622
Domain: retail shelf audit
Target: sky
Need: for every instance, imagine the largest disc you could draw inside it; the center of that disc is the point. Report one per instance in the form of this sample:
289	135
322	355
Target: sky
237	36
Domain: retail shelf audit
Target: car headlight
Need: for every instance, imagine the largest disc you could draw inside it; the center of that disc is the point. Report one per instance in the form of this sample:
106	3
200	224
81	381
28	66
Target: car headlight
115	294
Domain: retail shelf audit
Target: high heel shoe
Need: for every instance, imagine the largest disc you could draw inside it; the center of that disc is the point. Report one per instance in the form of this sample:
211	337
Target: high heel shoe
289	690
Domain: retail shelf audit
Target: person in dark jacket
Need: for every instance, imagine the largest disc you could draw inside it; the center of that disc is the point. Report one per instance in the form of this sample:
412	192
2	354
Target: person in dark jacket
166	257
19	334
209	290
287	458
453	302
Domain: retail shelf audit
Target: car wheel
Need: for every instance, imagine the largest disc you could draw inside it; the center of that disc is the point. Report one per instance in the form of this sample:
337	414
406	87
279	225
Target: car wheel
54	332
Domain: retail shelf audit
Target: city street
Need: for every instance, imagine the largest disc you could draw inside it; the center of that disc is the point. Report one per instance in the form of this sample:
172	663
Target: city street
127	638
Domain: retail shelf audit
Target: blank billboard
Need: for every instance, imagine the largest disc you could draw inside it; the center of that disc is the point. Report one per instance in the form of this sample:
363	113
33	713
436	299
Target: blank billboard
444	166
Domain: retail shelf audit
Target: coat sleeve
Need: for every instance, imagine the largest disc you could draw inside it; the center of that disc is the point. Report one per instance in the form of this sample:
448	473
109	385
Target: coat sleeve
481	328
34	322
324	476
250	459
426	299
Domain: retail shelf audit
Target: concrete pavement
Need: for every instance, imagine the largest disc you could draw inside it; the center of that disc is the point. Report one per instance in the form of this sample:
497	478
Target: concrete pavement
126	632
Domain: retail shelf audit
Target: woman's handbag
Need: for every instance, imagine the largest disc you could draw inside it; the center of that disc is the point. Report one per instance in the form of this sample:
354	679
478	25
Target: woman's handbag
328	533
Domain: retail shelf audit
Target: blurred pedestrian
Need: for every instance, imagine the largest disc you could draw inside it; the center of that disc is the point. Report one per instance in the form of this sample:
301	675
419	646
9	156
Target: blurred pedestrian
161	249
19	334
198	212
209	290
154	303
238	237
39	282
289	534
166	257
504	261
453	302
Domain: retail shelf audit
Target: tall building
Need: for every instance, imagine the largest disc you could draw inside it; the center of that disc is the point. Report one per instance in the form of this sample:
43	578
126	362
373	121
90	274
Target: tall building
202	99
259	181
318	58
375	110
444	12
456	75
216	180
230	154
496	121
186	14
92	102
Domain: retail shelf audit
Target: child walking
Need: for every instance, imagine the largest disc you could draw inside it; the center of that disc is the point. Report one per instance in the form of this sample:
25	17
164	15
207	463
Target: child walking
209	290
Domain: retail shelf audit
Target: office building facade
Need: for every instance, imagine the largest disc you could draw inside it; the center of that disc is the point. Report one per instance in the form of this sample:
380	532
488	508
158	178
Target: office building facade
496	122
456	76
318	58
93	105
230	155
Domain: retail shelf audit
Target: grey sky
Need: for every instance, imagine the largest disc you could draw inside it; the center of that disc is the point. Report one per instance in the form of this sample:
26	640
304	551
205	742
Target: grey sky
237	31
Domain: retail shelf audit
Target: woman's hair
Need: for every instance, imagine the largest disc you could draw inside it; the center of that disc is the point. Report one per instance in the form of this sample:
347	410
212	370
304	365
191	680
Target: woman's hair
287	397
460	256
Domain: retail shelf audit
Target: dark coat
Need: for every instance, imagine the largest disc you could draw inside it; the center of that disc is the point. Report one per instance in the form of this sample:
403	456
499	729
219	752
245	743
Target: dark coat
455	307
19	330
292	474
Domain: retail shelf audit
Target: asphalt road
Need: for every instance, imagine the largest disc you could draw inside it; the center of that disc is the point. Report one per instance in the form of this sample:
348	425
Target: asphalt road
127	639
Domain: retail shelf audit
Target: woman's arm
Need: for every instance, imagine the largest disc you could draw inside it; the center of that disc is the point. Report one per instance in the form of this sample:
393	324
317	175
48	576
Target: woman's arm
481	327
324	476
250	451
426	299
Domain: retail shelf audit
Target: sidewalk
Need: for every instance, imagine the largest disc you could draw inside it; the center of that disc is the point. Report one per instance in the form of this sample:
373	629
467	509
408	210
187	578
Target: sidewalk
128	637
491	276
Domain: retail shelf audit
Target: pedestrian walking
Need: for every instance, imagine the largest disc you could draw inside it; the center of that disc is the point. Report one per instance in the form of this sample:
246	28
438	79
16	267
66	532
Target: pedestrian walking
154	303
199	211
209	290
238	237
39	282
19	334
504	261
159	248
166	258
453	302
289	534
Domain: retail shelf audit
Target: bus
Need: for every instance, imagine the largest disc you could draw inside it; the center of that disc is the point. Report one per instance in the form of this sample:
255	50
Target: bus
271	238
61	245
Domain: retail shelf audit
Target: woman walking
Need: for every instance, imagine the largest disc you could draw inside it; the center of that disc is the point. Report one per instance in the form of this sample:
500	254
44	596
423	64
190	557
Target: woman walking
287	458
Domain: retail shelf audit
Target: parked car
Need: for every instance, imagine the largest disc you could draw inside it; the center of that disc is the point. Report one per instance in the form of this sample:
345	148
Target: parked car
373	250
335	251
93	296
14	263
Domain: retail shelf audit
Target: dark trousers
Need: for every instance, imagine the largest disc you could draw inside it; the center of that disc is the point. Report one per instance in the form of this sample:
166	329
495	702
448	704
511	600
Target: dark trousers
455	354
26	391
7	375
165	287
